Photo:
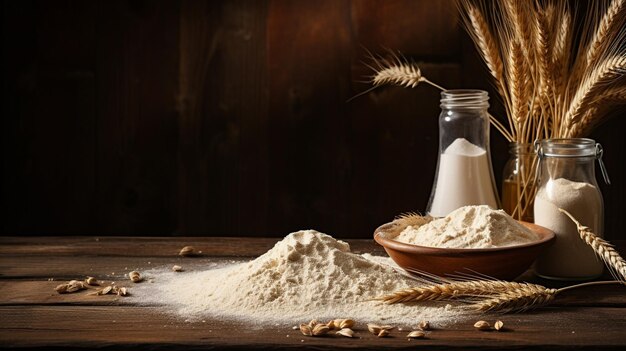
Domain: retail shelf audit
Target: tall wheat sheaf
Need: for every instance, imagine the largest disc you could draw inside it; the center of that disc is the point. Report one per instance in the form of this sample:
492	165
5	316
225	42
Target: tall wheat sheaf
559	73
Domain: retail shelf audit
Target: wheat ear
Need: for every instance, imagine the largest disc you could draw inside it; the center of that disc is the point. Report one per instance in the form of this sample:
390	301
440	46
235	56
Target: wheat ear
561	49
527	297
399	73
412	219
603	249
518	13
597	112
603	31
487	45
409	75
451	290
544	52
593	84
518	84
522	298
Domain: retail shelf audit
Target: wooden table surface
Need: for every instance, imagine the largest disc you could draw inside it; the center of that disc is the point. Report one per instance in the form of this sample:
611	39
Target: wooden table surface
33	315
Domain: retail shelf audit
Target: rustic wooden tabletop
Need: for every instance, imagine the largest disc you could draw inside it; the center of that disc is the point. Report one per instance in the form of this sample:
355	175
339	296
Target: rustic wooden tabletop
33	315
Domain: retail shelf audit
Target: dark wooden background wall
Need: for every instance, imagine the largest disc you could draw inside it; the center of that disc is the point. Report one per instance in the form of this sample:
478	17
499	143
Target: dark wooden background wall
230	117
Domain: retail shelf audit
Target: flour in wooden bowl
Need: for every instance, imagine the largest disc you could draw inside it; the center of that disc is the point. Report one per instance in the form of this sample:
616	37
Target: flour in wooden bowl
304	276
469	227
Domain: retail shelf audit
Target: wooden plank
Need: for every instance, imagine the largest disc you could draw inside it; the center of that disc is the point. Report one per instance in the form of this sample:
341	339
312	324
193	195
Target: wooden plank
77	267
136	104
199	40
49	164
151	246
143	247
423	29
114	327
31	291
223	151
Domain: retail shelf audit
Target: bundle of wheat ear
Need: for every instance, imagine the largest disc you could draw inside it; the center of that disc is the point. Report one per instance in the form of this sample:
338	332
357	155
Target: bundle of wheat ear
559	73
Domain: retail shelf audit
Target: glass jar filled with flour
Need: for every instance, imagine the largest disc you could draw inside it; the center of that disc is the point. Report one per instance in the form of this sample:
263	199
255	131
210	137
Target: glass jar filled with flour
567	180
464	173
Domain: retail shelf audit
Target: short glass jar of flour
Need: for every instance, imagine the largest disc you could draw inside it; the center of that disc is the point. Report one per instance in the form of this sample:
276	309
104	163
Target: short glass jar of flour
464	173
567	180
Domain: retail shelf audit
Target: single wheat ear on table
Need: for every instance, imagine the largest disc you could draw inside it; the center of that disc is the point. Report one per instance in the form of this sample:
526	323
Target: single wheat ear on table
483	295
450	291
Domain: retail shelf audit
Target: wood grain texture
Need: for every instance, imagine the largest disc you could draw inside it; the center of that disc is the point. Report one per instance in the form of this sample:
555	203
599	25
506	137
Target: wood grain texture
120	327
229	117
136	81
34	316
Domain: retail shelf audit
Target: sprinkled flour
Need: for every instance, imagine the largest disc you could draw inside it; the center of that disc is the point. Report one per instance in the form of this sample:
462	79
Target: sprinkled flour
469	227
306	275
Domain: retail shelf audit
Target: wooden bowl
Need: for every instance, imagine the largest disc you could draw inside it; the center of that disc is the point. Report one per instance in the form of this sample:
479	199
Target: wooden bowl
502	263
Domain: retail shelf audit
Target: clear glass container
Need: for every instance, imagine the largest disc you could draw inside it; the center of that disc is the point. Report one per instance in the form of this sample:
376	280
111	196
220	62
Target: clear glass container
567	181
464	174
518	181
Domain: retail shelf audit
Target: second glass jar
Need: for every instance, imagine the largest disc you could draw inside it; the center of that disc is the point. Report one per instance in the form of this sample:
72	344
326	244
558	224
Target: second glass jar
567	182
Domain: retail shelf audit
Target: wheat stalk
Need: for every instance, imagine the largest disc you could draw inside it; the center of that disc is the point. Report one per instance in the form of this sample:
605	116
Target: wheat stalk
485	295
597	112
617	94
603	249
562	47
398	72
544	52
519	299
517	12
487	45
407	75
593	86
604	31
451	290
527	297
519	84
412	219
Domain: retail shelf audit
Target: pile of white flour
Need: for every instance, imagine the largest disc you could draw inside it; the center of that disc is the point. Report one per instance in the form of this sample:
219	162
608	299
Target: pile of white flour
469	227
304	276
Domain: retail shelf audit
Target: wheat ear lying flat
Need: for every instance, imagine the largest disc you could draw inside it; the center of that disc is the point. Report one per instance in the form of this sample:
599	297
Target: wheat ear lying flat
447	291
602	248
527	297
523	298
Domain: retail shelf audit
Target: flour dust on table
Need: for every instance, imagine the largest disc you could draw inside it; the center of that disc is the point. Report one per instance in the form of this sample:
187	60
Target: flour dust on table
304	276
